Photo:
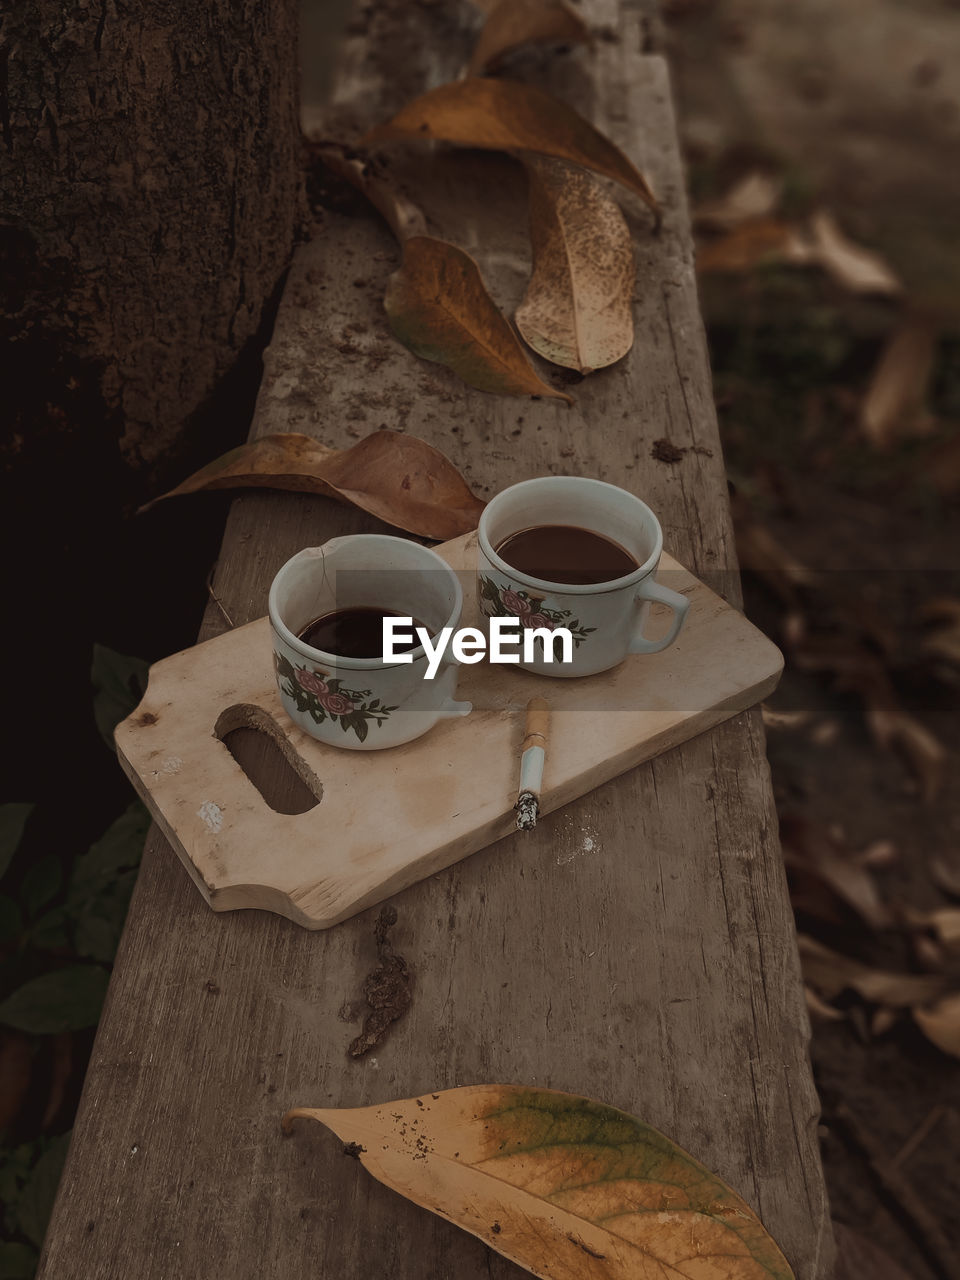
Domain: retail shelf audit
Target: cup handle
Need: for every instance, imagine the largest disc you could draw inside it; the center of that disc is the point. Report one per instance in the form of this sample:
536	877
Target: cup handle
649	589
450	708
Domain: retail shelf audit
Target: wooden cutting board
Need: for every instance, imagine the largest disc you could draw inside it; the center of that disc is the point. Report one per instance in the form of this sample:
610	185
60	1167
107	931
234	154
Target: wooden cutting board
386	819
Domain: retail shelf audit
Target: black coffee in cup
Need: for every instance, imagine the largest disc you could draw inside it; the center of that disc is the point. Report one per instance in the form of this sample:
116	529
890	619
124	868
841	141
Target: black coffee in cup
566	553
355	633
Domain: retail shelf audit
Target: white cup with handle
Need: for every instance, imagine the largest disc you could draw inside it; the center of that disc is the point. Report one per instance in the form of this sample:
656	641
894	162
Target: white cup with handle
607	620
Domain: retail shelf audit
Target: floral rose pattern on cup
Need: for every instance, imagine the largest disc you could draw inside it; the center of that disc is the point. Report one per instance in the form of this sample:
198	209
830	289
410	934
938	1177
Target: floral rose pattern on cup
315	694
497	602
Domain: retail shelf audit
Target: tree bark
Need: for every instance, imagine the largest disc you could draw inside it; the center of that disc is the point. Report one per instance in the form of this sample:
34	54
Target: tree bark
151	178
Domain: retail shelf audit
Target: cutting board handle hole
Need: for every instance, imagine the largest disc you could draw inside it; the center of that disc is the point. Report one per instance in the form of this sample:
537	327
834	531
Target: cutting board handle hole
263	752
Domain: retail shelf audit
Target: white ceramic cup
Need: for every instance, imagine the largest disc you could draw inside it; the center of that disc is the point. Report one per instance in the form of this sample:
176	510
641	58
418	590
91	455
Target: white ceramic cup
364	704
606	619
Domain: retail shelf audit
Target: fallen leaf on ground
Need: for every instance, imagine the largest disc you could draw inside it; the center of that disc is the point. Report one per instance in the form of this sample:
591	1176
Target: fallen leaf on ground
943	922
809	850
946	874
829	973
754	196
759	551
577	310
891	725
403	217
855	268
514	23
751	244
818	1008
893	406
502	115
943	640
399	478
878	854
883	1020
559	1184
784	719
438	306
941	1023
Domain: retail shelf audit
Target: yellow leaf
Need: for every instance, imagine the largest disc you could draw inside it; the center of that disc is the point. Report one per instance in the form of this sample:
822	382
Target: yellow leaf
502	115
396	477
569	1188
513	23
578	307
439	307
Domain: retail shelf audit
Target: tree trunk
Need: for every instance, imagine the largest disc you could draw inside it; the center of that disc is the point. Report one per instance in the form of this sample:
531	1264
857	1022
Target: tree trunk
149	160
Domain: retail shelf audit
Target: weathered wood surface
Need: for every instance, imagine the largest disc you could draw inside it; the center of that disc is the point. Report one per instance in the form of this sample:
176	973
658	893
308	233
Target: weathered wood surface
413	810
638	947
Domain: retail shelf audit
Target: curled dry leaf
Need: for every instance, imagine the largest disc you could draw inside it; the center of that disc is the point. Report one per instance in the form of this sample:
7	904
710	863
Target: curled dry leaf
439	307
398	478
830	973
818	1008
854	268
809	851
577	310
893	726
760	241
559	1184
514	23
502	115
893	406
943	922
754	196
784	719
941	1023
403	217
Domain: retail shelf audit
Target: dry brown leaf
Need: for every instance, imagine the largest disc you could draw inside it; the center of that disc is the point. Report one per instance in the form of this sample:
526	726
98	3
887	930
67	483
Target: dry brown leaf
438	306
784	719
502	115
559	1184
577	310
396	477
943	641
759	551
941	1023
818	1008
944	922
808	850
754	196
830	973
403	217
750	244
893	404
878	854
946	875
855	268
514	23
883	1020
892	726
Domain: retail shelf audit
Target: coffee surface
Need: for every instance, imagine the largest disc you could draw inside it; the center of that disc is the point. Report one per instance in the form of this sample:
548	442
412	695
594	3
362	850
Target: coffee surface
566	553
354	633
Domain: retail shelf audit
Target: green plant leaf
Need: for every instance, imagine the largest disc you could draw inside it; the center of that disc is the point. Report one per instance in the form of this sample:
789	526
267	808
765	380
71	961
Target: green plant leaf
17	1261
11	923
37	1197
65	1000
41	882
562	1185
13	817
98	929
48	933
120	846
119	683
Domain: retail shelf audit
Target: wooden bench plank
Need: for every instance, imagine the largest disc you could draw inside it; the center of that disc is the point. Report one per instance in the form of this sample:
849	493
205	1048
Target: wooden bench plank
637	947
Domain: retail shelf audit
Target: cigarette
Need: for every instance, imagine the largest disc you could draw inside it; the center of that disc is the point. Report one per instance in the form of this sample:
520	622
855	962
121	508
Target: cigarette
532	757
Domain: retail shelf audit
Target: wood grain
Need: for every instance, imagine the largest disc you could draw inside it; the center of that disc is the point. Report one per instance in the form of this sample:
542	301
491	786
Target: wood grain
637	947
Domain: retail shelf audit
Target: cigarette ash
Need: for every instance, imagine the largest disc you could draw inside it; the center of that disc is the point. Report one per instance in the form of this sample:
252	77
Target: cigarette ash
528	810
